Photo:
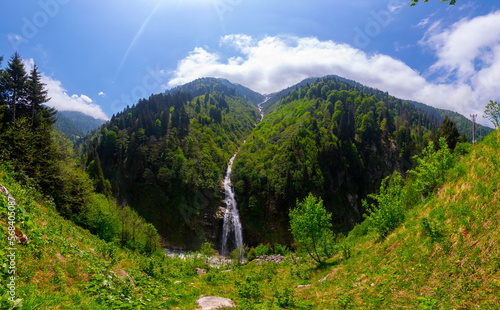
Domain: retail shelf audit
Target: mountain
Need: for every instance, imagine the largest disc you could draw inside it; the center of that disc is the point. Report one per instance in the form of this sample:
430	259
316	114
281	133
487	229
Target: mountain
464	125
166	157
202	86
83	122
332	138
65	126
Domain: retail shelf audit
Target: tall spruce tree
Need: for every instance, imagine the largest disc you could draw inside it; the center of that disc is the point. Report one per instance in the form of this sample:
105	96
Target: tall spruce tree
37	94
16	84
449	131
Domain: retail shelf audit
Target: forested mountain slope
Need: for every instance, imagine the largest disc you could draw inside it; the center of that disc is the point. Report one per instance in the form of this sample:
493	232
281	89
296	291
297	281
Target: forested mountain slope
329	138
205	85
166	157
464	125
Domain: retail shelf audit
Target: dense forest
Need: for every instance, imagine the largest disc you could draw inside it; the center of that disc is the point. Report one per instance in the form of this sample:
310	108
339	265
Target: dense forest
166	156
333	139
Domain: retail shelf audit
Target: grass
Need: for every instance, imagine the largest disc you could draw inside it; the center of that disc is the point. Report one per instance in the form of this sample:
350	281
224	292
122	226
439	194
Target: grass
445	255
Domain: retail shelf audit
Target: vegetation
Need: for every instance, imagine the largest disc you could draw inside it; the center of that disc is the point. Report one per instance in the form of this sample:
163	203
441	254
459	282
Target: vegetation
166	157
311	228
83	123
440	256
463	124
332	138
67	128
492	113
37	155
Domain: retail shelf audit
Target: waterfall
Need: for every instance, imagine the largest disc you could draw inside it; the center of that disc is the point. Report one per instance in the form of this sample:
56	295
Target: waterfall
231	216
232	233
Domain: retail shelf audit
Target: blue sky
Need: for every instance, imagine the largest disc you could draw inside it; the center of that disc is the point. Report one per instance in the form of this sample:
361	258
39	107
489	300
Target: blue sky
99	56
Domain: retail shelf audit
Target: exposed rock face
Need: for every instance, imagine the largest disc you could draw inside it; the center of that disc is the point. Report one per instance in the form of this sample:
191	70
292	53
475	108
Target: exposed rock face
213	303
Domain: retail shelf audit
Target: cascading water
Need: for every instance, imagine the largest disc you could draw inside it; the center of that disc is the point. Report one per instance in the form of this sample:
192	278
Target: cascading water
231	216
232	234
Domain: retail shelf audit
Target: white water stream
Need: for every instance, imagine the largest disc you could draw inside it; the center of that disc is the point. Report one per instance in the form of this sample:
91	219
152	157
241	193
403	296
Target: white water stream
232	233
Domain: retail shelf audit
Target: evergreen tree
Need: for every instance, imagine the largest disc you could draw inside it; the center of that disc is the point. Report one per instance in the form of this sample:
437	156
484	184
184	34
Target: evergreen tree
449	131
37	95
16	83
3	86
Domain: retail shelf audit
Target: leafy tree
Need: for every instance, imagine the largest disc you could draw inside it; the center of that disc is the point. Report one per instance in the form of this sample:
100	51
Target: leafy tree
450	2
310	225
492	113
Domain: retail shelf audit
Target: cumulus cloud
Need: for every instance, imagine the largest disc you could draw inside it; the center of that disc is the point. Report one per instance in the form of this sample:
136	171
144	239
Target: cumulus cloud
465	45
273	63
64	102
102	94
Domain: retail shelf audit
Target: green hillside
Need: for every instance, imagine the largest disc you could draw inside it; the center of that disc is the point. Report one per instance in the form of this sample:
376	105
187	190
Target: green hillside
464	124
328	138
166	157
84	122
66	127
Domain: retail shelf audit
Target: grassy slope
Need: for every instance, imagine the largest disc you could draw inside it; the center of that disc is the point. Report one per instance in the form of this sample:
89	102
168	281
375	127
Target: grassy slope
456	267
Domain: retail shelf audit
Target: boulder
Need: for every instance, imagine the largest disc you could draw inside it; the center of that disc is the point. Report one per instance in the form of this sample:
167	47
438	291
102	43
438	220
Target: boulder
213	303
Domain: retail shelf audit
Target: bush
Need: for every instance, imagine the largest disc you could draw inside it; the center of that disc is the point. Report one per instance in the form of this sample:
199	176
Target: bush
263	249
431	170
389	210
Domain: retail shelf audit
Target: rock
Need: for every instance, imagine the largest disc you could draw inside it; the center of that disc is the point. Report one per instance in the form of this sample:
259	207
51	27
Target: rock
201	271
60	258
213	303
277	259
321	280
177	282
302	286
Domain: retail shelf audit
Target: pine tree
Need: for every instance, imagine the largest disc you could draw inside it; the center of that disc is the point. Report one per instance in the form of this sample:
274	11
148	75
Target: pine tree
37	95
449	131
16	83
3	88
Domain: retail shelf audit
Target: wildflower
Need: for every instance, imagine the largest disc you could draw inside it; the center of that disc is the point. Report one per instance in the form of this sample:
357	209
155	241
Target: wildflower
465	234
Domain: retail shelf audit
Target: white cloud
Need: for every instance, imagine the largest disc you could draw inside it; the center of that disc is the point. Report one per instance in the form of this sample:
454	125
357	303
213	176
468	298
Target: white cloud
465	45
273	63
102	94
60	99
64	102
423	23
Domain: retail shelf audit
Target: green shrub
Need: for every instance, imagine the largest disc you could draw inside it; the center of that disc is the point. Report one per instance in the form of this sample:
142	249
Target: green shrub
263	249
389	211
281	249
431	169
207	250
